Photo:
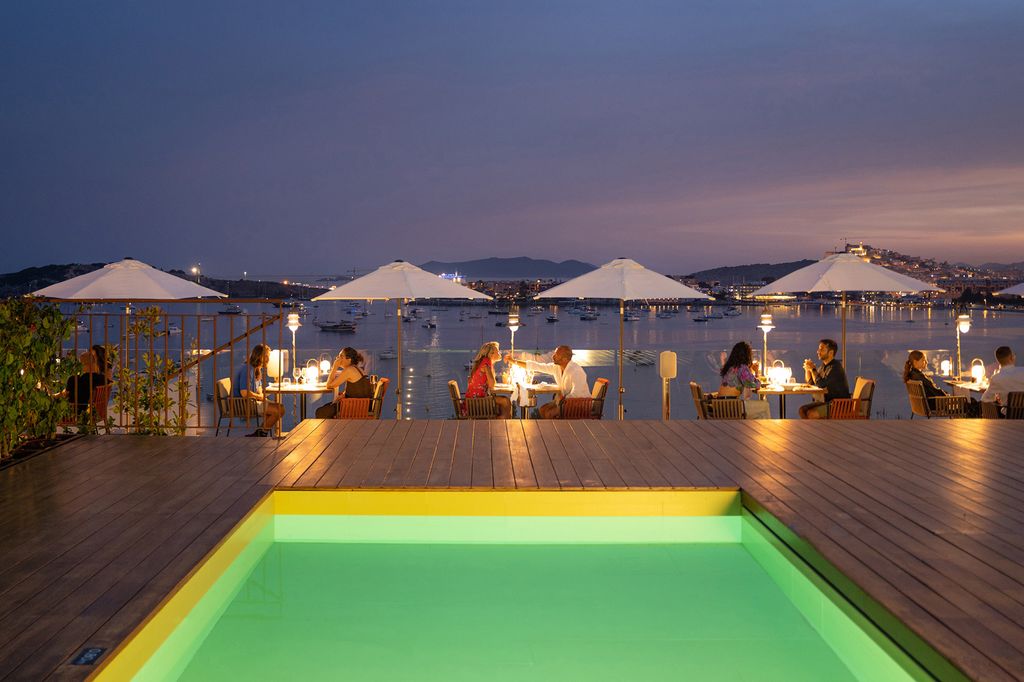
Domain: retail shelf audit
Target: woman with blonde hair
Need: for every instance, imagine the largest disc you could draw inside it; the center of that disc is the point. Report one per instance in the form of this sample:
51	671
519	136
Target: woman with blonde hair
482	381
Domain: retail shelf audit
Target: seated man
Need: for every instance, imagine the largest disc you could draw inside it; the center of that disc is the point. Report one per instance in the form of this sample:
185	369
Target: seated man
570	377
830	376
1009	378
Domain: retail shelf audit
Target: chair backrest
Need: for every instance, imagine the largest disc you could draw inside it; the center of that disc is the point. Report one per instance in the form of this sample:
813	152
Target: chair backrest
699	401
990	410
726	408
598	395
458	407
481	408
380	391
846	408
864	391
221	394
100	398
354	408
1015	405
576	408
918	400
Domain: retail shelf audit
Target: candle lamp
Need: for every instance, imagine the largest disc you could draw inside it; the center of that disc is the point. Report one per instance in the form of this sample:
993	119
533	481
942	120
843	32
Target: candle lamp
977	370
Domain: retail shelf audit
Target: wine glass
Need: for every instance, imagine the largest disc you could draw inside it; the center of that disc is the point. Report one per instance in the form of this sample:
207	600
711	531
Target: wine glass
296	372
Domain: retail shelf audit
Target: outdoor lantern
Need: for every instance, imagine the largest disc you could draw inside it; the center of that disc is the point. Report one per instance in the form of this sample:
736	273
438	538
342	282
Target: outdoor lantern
312	372
778	374
765	326
325	364
945	367
293	326
977	370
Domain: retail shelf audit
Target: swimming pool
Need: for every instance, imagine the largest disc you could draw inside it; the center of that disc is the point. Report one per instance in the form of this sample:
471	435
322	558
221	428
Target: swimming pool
508	585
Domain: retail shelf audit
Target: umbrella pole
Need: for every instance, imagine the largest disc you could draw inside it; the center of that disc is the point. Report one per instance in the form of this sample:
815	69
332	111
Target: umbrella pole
398	381
844	331
622	389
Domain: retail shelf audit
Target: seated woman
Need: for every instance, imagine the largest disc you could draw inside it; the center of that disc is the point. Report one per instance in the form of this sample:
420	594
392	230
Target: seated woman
482	381
739	379
79	388
913	370
346	370
248	383
102	366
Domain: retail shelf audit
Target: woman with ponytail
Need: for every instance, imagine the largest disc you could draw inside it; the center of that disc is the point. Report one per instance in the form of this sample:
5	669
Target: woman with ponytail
346	370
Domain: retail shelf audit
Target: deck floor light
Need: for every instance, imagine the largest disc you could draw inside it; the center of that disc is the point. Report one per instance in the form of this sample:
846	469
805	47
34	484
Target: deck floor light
765	326
963	325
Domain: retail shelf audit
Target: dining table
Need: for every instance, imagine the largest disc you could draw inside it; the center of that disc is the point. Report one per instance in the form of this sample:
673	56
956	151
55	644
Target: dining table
967	388
298	390
524	395
788	389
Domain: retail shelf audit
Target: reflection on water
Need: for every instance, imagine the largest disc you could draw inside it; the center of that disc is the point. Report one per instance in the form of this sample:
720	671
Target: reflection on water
878	340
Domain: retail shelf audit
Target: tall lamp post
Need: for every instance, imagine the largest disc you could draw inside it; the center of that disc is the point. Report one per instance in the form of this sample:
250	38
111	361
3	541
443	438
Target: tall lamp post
513	324
765	326
963	325
293	326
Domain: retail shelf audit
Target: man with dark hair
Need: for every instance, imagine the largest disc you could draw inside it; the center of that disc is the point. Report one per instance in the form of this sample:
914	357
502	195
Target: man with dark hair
1008	378
830	376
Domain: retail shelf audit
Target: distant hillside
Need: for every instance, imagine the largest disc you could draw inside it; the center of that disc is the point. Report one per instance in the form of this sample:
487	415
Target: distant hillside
1003	267
755	272
512	268
32	279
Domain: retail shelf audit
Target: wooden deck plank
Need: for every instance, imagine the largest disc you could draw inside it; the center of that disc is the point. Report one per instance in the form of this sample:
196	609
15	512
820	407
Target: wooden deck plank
922	518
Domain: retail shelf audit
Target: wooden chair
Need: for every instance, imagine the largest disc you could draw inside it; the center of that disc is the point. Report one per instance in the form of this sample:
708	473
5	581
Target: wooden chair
576	408
98	405
726	408
857	407
991	410
354	408
1015	405
380	392
598	395
471	408
700	401
945	406
232	407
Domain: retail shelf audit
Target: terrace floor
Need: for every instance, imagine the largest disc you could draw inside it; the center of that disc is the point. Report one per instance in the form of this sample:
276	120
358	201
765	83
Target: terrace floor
923	521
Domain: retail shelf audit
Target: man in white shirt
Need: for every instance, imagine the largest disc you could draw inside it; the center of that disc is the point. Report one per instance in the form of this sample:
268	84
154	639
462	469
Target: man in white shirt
1009	378
570	377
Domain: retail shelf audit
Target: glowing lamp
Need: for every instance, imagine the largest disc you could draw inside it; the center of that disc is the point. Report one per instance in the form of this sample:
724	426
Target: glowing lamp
779	374
766	324
325	366
278	364
945	366
963	323
977	370
293	322
312	374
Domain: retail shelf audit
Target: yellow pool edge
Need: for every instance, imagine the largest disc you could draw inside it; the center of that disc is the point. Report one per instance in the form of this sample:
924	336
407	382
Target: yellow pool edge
128	658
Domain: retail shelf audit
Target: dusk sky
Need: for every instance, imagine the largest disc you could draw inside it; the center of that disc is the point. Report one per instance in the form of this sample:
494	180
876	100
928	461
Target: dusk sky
308	138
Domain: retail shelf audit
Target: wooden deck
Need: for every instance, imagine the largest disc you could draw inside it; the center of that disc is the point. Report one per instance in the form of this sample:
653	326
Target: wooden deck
924	519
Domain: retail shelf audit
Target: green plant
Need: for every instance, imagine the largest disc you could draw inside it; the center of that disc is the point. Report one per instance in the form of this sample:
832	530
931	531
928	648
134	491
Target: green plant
32	371
153	393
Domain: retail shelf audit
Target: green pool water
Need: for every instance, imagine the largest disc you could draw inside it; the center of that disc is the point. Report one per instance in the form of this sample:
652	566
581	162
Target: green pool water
728	606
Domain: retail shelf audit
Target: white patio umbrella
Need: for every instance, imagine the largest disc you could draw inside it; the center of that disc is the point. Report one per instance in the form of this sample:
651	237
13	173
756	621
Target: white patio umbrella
1016	290
842	273
625	280
126	280
403	282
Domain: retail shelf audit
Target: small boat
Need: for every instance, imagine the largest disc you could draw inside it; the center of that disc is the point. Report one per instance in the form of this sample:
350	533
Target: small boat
344	327
733	312
631	317
231	309
172	329
552	318
700	319
407	318
588	317
81	326
388	354
494	311
535	310
430	324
